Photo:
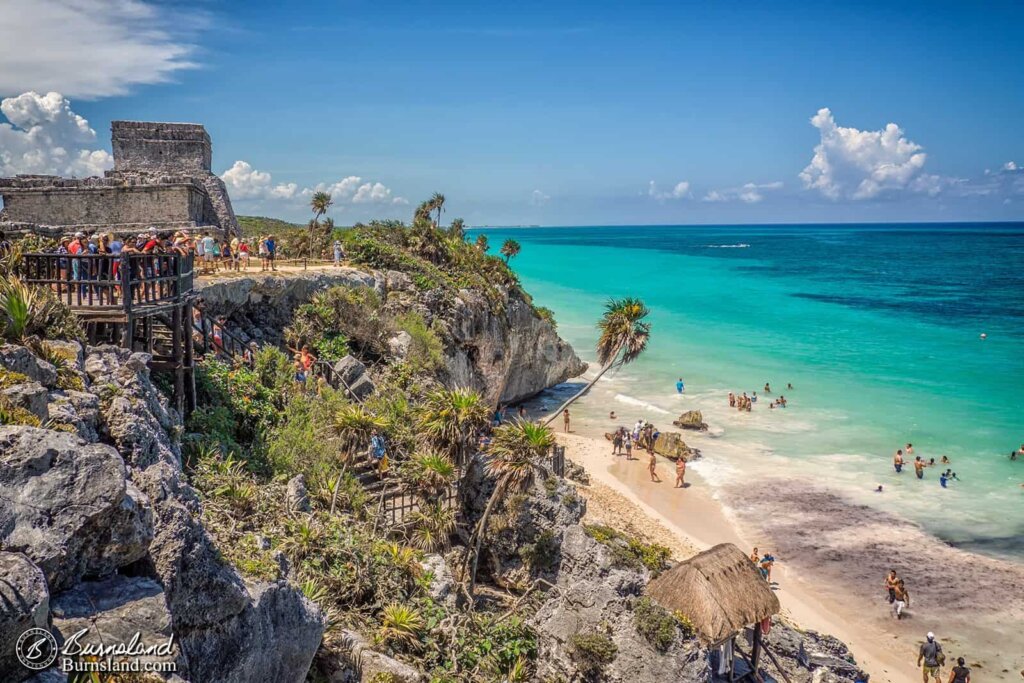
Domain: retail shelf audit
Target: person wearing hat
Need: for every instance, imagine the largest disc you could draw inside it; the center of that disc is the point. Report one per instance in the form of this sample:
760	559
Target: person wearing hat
932	657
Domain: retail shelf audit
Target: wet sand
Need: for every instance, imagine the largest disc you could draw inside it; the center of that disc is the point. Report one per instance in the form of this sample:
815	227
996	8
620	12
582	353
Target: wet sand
832	558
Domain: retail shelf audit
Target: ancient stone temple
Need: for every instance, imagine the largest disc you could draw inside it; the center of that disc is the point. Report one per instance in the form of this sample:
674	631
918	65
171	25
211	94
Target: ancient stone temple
161	179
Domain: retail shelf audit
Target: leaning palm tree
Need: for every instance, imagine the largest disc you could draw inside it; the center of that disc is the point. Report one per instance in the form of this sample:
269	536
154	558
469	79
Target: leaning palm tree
437	203
481	243
451	419
510	249
319	203
516	452
624	336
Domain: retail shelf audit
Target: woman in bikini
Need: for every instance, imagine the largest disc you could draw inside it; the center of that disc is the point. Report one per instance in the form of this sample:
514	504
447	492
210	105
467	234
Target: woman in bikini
680	473
651	464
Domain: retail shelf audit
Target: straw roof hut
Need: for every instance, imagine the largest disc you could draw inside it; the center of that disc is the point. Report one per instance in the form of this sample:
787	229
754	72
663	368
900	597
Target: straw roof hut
720	590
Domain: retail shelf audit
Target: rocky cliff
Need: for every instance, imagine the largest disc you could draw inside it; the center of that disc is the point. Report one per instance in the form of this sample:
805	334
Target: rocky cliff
501	348
100	530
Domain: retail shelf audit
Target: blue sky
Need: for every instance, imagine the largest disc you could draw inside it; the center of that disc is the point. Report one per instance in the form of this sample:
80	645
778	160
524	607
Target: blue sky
546	113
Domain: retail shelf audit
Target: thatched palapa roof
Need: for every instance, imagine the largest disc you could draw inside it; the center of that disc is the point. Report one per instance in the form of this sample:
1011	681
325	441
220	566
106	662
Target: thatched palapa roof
720	590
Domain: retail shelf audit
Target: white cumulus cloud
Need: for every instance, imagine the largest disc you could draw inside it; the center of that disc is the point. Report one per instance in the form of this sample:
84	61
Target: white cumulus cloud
245	182
45	136
91	48
861	164
679	191
748	193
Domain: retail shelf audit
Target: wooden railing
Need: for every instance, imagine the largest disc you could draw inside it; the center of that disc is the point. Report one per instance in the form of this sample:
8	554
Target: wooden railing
398	505
111	281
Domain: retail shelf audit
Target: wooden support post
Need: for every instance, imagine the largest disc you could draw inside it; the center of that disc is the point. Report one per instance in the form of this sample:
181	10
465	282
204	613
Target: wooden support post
755	651
179	361
190	367
126	295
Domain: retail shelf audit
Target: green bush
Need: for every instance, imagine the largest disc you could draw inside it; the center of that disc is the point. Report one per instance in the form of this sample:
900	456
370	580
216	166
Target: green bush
426	351
542	554
655	623
630	552
591	652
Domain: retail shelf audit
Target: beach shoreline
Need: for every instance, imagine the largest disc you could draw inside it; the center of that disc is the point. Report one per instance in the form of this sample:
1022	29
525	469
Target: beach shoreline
813	594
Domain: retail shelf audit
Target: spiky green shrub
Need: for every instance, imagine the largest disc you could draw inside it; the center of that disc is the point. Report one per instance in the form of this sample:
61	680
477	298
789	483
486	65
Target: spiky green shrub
591	651
400	625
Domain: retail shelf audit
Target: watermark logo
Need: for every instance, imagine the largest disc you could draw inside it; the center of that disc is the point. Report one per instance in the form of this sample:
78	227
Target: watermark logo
36	649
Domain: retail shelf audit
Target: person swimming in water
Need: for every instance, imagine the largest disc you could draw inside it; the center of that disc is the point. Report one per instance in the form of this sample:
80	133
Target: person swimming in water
680	386
767	388
944	460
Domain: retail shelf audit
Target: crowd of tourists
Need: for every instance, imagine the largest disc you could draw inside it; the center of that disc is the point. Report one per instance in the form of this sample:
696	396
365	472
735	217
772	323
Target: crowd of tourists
745	403
213	253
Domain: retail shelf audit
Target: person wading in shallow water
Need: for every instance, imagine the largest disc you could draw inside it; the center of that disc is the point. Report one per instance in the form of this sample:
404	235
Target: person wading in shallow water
897	461
919	467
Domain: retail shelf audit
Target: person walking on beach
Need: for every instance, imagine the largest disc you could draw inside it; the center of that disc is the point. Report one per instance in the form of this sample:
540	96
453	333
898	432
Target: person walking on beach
897	460
627	441
565	419
919	467
680	473
960	673
891	581
651	464
932	657
901	599
617	442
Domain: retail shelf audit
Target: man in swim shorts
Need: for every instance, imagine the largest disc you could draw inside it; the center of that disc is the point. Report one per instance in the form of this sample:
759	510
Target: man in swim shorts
931	654
891	581
897	461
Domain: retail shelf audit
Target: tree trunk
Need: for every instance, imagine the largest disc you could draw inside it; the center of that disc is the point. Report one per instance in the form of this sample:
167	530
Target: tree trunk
499	490
582	391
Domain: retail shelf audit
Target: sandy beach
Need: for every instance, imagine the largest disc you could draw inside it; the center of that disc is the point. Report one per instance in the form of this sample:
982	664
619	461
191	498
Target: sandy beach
832	558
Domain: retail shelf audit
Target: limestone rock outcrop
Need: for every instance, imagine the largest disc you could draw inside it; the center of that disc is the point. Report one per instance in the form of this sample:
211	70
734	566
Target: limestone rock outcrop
672	446
691	419
503	349
110	534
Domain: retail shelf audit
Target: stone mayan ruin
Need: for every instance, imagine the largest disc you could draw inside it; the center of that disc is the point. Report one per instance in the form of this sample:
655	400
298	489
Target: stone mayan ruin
161	179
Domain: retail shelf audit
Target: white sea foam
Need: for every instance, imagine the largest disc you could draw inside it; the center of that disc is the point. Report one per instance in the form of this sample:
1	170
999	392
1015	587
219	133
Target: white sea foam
630	400
741	245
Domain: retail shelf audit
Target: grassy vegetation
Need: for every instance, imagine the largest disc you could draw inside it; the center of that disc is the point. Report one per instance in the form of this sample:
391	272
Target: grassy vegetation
628	551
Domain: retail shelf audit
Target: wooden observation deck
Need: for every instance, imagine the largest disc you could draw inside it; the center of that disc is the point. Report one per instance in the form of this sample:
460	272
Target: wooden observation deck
141	302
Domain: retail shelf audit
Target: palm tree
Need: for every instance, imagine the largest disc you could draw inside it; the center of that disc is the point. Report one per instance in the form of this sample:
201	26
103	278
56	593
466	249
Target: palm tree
624	337
510	249
457	230
451	419
437	203
319	203
516	452
353	424
481	243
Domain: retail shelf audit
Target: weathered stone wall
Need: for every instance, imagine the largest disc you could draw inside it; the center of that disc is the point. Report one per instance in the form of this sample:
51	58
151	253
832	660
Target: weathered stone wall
161	178
106	202
160	147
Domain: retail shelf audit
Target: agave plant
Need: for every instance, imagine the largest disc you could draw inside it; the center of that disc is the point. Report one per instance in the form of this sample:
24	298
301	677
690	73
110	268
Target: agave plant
401	625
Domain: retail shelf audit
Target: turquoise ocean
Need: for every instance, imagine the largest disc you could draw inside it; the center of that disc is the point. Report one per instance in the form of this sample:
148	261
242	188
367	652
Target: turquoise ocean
877	327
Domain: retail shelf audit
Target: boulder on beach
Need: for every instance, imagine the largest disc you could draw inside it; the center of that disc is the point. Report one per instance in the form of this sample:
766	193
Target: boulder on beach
672	446
691	419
